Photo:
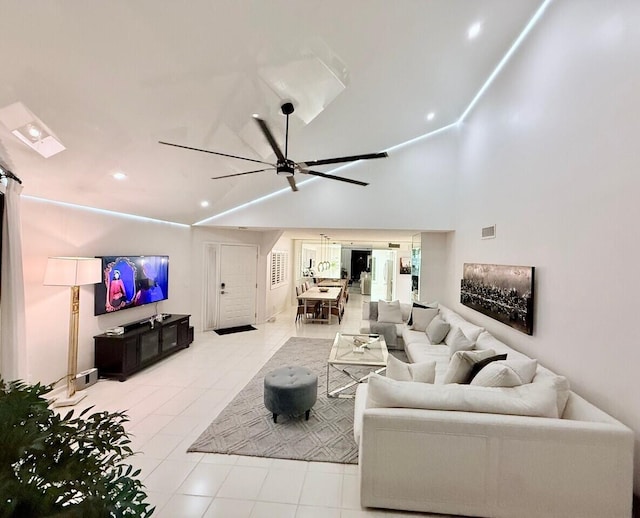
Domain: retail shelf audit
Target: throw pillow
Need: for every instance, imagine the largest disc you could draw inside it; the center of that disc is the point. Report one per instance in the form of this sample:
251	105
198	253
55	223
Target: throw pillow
389	312
437	330
461	364
422	317
424	372
506	373
422	305
458	341
478	366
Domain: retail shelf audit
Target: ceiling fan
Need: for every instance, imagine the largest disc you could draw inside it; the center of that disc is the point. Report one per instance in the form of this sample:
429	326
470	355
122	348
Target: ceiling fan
284	166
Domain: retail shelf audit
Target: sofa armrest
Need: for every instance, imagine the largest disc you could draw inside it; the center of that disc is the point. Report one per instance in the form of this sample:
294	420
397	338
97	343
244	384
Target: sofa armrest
494	465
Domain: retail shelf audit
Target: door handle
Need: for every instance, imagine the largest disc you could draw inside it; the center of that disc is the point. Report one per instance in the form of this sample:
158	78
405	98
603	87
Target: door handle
222	292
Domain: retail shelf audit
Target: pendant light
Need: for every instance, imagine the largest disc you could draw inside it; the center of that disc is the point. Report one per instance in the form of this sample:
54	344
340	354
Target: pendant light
321	262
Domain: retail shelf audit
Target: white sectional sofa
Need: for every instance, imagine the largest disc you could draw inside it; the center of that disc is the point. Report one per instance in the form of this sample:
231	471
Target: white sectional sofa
534	450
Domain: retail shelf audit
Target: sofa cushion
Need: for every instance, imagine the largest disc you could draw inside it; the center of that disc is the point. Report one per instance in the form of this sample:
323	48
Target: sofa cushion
422	305
405	309
437	330
506	373
389	312
527	400
471	331
462	363
560	383
423	372
478	366
422	317
414	337
458	341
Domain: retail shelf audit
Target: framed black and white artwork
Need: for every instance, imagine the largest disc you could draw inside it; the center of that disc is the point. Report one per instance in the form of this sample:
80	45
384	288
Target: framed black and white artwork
502	292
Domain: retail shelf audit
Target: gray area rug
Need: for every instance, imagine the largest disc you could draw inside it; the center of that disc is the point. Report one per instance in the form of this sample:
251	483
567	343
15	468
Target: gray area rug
246	427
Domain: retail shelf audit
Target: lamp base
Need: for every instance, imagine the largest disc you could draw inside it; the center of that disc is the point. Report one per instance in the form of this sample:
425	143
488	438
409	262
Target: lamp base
69	401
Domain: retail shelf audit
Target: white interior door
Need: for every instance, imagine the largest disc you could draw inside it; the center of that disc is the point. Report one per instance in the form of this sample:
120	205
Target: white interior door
237	285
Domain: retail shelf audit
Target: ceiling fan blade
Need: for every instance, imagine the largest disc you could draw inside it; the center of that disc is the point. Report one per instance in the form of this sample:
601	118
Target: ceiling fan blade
269	136
240	174
292	183
215	153
332	177
338	160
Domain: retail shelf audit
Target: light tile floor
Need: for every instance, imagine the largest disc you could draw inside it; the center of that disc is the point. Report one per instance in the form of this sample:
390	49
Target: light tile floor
172	402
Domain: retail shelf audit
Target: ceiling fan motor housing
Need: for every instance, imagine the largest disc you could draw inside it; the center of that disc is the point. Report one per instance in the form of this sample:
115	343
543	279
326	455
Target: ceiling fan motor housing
285	168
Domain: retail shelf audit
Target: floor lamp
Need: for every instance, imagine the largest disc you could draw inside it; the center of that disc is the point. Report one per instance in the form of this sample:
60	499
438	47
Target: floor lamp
73	272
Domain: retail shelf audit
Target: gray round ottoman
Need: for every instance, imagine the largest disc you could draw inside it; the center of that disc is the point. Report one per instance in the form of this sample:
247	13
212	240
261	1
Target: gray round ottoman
290	391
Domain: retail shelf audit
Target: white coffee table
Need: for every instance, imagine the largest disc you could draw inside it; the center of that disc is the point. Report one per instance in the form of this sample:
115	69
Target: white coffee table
356	350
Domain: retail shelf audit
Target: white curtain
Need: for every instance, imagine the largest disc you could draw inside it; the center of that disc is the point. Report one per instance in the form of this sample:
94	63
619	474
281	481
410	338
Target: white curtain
13	360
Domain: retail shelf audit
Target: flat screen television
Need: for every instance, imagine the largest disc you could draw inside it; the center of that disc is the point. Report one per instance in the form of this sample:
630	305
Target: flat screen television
130	281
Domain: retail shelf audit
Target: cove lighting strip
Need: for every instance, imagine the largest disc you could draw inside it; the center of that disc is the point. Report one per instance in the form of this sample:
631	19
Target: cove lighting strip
107	212
506	57
534	20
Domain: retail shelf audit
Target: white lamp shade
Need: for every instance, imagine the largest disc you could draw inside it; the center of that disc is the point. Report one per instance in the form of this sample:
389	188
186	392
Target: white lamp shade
72	271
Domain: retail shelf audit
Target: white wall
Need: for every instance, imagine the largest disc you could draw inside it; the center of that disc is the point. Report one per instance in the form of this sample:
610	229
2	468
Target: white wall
433	266
51	229
403	282
550	155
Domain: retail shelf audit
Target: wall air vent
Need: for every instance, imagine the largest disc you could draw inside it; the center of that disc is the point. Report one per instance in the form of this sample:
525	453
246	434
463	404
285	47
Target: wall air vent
489	232
394	245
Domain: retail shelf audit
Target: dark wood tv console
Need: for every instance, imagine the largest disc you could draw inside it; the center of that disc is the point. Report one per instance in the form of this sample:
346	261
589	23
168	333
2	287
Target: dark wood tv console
119	356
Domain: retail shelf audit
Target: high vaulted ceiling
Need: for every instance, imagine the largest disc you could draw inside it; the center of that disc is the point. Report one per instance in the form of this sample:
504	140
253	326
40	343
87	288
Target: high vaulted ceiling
111	79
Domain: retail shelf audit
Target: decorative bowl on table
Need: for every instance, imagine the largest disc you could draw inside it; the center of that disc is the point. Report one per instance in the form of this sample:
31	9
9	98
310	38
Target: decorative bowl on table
323	290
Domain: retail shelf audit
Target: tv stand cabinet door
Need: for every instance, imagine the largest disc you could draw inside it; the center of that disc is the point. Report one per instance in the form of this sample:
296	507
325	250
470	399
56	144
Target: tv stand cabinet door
149	346
131	356
183	333
169	337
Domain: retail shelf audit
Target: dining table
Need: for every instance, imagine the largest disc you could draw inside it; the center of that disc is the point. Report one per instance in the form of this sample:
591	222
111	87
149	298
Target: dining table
330	297
332	283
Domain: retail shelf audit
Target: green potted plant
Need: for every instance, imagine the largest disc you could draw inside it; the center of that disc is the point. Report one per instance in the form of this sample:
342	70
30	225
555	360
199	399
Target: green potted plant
63	466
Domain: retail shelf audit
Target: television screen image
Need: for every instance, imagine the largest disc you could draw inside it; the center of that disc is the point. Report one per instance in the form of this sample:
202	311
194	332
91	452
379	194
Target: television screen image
131	280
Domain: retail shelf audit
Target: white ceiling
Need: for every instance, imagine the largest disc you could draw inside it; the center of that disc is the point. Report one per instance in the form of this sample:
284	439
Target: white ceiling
111	79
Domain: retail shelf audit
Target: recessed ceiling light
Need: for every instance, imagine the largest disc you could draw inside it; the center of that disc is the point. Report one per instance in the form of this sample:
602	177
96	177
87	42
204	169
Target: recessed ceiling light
430	116
30	130
204	203
33	131
474	30
119	176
